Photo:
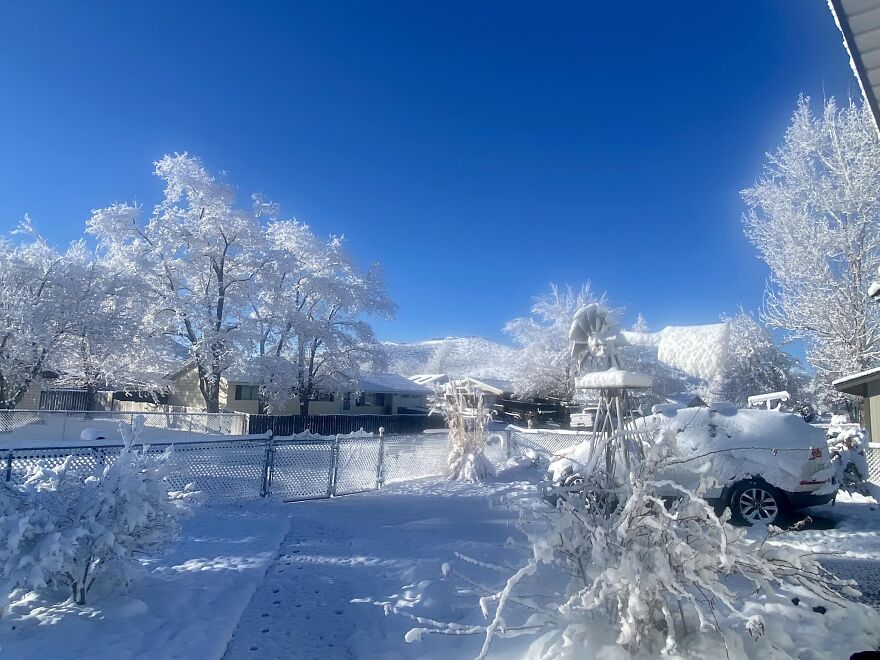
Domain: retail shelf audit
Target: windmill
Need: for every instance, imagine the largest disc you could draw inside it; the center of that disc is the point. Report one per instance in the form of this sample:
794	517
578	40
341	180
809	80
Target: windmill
595	338
699	351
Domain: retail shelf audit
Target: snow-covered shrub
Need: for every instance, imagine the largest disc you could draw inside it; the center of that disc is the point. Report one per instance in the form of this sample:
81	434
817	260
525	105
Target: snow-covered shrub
466	416
847	450
643	572
72	528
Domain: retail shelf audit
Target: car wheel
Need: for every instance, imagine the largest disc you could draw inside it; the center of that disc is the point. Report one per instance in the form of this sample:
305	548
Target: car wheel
756	502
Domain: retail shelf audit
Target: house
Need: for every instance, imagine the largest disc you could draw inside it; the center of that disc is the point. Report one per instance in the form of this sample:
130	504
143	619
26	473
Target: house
376	394
865	384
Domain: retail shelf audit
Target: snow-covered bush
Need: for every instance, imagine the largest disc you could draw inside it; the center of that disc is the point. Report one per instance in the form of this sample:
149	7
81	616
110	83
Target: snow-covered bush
466	416
71	528
643	572
847	450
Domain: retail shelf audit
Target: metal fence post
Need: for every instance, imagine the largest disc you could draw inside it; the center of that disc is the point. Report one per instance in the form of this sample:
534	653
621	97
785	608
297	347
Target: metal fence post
380	460
334	466
9	466
268	466
508	439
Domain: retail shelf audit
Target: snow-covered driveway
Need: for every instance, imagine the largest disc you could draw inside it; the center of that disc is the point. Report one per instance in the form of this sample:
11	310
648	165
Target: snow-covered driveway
341	553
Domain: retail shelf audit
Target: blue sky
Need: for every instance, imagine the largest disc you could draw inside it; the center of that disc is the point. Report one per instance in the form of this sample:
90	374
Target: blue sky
478	151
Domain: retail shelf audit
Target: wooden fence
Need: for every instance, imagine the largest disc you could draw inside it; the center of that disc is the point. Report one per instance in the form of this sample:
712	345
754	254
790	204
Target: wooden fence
336	424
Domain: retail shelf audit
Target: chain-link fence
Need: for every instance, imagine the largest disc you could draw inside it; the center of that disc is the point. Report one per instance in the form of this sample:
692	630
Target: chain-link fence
69	426
291	468
544	441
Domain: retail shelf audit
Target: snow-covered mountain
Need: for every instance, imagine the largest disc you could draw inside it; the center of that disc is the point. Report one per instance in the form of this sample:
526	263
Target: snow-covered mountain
456	356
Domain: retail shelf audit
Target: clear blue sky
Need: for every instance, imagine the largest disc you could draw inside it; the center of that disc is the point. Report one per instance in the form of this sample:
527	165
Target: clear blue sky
478	150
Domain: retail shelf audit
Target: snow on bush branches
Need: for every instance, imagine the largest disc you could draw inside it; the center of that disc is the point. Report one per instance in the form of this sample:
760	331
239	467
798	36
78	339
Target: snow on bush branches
648	574
847	450
73	528
466	416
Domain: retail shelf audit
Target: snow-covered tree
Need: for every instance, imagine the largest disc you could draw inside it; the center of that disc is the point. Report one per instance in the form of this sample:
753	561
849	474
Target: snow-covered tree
107	342
196	255
544	365
242	287
755	363
35	309
314	313
814	217
72	528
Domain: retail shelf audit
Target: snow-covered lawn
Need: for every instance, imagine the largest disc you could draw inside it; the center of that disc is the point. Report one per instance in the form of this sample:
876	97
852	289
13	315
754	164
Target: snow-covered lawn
342	554
185	605
333	568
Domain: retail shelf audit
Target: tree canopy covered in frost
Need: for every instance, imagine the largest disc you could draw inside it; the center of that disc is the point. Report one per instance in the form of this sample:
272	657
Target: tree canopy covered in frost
234	289
756	364
544	365
814	217
35	311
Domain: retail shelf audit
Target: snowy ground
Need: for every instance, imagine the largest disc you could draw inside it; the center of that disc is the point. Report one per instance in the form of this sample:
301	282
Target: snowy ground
185	606
341	554
848	532
309	580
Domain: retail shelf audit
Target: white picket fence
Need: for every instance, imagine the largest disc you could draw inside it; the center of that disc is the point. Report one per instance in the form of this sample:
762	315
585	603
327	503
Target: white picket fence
65	426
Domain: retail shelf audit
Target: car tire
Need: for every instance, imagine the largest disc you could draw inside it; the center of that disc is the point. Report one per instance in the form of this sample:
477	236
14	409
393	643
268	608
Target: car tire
756	501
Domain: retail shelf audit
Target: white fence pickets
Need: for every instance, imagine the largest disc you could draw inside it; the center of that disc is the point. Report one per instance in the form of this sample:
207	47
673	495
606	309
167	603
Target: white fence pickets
55	426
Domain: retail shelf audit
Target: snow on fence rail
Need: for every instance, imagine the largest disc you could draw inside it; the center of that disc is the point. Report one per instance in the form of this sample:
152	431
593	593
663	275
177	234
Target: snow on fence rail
66	426
291	468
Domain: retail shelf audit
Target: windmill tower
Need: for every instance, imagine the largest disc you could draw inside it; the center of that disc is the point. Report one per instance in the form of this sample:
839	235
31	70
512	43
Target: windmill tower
595	339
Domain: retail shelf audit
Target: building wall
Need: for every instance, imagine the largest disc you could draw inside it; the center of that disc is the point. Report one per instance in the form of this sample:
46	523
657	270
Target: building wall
186	391
871	410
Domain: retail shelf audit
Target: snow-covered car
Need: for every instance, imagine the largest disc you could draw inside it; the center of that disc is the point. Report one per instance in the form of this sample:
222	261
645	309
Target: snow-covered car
760	463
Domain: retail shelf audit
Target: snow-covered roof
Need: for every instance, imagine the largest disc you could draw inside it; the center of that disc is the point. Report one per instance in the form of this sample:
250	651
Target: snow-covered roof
855	383
614	378
390	384
859	23
429	379
491	385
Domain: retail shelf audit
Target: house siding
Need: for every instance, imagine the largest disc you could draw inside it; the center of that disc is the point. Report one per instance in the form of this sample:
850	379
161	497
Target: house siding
186	390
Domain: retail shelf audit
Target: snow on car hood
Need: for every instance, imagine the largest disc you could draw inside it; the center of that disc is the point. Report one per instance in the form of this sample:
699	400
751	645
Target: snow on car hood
726	444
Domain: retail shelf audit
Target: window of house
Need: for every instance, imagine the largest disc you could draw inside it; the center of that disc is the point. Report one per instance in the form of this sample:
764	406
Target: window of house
247	392
321	396
371	399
